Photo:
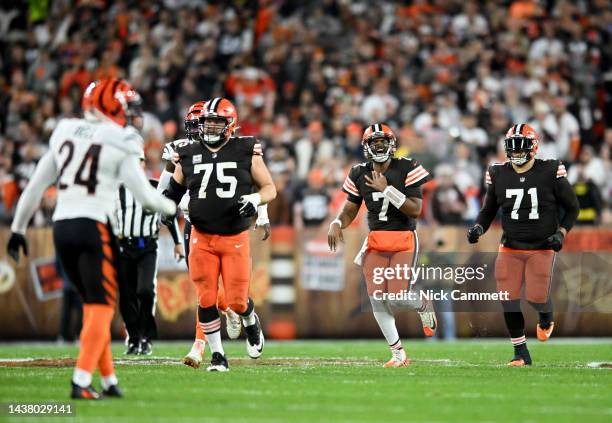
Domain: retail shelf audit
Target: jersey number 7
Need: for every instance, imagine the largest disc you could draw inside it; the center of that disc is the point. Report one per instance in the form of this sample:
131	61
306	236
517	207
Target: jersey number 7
207	168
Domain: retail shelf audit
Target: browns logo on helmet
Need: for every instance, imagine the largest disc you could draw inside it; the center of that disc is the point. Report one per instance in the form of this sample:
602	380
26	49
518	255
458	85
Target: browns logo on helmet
218	121
112	99
379	143
192	119
521	144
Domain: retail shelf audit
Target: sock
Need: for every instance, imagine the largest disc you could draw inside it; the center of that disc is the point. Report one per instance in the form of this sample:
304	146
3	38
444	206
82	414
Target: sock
81	377
105	364
210	322
396	345
515	322
199	333
248	317
108	381
545	312
385	319
95	336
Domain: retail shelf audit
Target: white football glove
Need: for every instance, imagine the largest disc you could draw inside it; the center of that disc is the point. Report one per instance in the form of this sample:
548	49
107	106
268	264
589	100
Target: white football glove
249	203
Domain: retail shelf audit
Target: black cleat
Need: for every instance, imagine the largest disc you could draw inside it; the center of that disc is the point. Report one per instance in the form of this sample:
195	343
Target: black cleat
255	339
146	348
84	393
218	363
113	391
132	349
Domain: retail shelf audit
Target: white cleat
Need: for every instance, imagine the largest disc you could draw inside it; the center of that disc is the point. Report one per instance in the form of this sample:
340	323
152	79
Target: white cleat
398	359
233	323
196	355
255	339
429	320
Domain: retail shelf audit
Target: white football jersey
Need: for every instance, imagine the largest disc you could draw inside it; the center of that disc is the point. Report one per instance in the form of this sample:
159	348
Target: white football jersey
88	155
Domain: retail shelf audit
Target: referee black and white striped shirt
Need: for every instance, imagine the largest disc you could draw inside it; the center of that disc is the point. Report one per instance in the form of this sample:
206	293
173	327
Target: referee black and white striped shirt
132	221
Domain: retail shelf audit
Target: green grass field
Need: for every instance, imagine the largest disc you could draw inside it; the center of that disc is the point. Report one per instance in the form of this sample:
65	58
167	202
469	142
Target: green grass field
338	381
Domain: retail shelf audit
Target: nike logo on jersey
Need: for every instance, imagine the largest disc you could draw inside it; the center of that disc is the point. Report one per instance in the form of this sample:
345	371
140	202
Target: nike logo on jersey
195	240
238	246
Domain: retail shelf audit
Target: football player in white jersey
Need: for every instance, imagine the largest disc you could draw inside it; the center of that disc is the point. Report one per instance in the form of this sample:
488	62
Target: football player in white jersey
87	159
233	322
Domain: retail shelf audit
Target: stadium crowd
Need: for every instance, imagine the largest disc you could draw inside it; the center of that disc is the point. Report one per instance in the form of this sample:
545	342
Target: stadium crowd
450	77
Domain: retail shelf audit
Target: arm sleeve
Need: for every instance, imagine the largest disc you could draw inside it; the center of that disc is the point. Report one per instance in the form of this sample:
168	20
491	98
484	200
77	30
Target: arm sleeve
567	198
136	181
174	231
45	174
489	206
350	188
164	180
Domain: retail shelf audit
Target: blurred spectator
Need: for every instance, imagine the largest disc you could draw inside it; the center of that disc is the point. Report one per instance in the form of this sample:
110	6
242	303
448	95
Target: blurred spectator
312	201
447	202
589	168
436	72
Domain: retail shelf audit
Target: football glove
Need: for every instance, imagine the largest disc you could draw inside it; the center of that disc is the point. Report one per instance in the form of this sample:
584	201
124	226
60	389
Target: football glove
249	203
555	241
474	233
17	242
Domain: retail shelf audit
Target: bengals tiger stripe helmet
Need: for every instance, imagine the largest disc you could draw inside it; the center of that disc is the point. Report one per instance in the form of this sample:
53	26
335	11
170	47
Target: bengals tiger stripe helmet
218	121
521	144
379	153
192	119
111	99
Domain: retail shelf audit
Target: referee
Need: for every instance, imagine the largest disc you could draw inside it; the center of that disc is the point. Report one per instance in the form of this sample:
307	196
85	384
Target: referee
137	234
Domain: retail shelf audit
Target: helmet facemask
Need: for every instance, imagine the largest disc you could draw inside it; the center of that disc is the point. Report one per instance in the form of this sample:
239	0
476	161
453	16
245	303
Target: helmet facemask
519	149
379	148
191	128
213	129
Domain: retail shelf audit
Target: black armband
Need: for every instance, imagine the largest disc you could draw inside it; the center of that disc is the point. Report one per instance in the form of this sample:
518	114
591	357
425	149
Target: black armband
175	191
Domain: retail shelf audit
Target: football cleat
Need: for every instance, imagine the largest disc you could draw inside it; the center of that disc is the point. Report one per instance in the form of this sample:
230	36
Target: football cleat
255	339
544	334
113	391
520	359
429	320
196	355
132	348
218	363
146	348
233	324
398	359
79	392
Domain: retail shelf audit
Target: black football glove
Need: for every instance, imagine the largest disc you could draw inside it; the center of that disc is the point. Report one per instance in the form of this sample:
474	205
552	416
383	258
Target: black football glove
555	241
17	242
249	203
168	221
474	233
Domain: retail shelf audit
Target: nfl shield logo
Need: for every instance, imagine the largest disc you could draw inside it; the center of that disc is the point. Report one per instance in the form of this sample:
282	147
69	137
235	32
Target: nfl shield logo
197	158
522	179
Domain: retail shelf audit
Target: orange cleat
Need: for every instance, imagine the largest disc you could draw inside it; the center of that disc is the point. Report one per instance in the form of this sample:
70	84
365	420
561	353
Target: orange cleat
399	359
544	334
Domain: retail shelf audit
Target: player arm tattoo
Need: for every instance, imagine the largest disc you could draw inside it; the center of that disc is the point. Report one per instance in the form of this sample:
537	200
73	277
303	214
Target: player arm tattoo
263	179
489	209
567	198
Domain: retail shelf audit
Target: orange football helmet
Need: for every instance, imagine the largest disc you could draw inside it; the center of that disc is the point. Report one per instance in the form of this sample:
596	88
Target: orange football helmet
521	144
112	99
218	121
383	152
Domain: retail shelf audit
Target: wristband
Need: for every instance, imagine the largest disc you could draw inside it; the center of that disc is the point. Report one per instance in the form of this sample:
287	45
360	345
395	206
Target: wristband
338	221
262	215
394	196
